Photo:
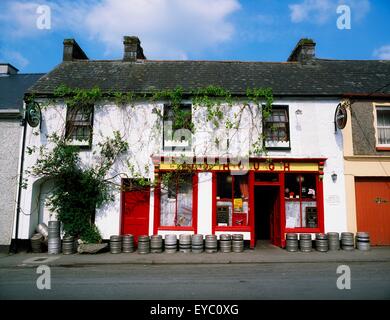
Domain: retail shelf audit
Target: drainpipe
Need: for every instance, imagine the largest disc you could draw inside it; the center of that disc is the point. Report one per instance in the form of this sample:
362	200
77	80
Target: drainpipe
14	244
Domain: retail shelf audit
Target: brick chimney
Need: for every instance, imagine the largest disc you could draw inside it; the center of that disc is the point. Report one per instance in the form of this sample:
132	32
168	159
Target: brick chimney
7	69
132	49
72	51
304	51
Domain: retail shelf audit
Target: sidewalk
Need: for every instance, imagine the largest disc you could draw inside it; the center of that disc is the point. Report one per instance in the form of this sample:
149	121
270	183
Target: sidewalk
262	254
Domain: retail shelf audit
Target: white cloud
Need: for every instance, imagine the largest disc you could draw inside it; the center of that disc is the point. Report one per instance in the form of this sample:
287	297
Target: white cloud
14	57
320	11
383	53
167	28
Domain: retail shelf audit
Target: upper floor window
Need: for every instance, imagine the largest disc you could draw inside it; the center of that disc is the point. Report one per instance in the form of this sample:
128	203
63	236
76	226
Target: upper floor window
177	127
276	128
383	126
79	126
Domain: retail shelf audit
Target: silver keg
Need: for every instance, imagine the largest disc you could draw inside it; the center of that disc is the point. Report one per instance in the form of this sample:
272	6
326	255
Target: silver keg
322	242
36	243
156	243
116	244
170	243
42	229
238	242
305	243
143	244
211	243
292	242
68	245
363	241
54	240
127	243
197	243
225	243
185	243
347	241
333	241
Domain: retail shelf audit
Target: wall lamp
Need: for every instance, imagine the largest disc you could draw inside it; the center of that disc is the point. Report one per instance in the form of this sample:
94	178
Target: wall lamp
334	176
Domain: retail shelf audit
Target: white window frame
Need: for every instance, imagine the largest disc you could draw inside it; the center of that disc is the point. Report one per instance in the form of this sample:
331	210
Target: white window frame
379	106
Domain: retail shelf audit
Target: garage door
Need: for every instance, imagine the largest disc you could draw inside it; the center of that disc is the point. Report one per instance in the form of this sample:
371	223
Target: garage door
373	208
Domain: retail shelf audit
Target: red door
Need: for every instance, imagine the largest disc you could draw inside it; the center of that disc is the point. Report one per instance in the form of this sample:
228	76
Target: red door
135	212
373	208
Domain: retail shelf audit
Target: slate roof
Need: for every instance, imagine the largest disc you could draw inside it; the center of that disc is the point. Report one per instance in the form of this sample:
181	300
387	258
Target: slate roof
13	87
319	78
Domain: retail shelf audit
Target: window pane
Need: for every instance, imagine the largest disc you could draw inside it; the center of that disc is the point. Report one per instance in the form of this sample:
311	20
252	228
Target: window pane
301	203
383	117
276	127
224	186
168	208
168	202
384	135
176	200
184	201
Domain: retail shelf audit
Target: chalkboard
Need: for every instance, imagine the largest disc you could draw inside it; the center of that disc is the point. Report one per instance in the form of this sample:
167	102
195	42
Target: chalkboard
223	215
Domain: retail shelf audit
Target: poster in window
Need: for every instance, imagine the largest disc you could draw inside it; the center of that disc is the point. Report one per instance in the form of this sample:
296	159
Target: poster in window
238	204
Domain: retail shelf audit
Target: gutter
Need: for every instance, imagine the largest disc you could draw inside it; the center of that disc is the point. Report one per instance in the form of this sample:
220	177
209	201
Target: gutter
14	244
10	114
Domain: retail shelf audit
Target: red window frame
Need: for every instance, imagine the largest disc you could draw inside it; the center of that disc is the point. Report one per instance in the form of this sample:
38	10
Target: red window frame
157	207
319	204
215	228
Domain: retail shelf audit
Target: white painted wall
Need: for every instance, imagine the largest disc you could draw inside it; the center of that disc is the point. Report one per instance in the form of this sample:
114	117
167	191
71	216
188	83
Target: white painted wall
312	136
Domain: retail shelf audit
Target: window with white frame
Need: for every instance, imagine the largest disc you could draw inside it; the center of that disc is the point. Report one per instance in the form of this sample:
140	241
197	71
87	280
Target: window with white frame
383	126
79	126
276	128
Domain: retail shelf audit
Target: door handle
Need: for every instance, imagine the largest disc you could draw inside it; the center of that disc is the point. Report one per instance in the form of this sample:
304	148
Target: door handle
379	200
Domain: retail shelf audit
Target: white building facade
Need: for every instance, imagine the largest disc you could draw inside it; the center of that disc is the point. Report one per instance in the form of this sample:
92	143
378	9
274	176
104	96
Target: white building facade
296	185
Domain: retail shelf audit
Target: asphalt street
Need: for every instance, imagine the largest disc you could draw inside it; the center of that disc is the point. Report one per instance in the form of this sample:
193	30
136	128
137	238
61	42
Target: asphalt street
369	280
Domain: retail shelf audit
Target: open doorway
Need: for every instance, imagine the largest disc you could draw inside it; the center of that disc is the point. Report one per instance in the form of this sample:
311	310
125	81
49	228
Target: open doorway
267	214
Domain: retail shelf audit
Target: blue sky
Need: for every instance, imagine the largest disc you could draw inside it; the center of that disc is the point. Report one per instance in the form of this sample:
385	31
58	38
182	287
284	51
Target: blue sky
249	30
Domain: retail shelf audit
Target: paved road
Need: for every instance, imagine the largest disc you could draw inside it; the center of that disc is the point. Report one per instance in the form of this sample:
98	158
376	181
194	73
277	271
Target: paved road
369	280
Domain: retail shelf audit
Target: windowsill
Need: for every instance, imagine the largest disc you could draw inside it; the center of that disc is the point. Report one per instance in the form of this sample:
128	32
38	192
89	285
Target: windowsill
302	199
383	148
233	228
278	148
303	230
175	228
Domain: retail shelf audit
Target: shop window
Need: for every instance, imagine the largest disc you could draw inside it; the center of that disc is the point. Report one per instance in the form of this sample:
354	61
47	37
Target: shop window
79	122
232	200
276	129
177	135
383	126
301	201
176	200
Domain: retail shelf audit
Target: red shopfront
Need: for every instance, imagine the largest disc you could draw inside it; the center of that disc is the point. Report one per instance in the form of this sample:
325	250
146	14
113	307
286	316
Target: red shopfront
264	199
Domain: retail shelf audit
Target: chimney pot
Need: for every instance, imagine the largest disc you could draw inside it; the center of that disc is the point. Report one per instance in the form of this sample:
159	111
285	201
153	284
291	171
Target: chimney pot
304	51
132	49
72	51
